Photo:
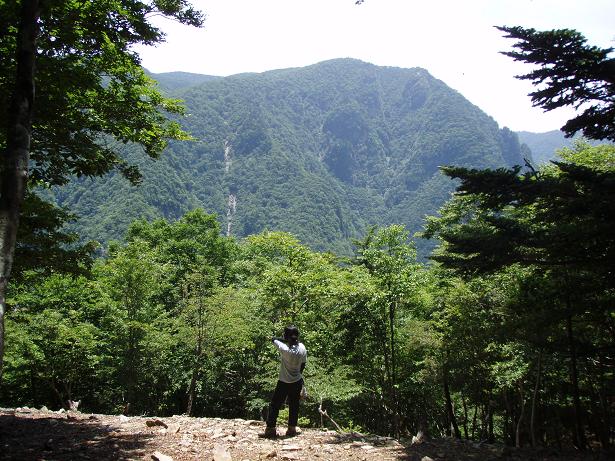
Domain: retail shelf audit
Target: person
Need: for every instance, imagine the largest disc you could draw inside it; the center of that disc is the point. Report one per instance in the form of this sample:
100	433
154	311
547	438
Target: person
293	356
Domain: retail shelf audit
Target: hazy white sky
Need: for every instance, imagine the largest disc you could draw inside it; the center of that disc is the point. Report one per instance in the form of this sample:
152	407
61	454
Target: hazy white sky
453	39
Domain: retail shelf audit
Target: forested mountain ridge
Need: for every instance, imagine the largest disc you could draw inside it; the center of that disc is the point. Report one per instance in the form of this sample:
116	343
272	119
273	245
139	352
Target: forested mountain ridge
322	152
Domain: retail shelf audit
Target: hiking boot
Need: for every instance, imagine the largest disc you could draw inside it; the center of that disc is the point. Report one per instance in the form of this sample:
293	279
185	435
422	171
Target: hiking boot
292	431
270	433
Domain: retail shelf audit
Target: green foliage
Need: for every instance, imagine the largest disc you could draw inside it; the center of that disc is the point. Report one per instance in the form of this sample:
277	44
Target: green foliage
545	239
43	244
57	341
571	73
92	96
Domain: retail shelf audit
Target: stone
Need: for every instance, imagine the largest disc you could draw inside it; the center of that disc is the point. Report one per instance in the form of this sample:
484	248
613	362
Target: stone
44	408
222	454
124	419
291	447
426	458
74	405
157	456
173	428
155	422
186	440
272	454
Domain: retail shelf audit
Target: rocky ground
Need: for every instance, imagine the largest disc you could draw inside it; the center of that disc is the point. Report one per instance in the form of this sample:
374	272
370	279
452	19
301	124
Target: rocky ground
30	434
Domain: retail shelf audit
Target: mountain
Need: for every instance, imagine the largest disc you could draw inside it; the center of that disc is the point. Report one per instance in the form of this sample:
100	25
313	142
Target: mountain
544	145
322	152
172	81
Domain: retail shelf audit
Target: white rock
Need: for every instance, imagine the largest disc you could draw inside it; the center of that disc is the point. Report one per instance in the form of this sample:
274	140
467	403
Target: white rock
174	428
124	419
291	447
222	454
157	456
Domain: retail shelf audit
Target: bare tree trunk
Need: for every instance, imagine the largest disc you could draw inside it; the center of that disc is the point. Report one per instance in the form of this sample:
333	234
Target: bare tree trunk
465	416
535	399
521	414
509	425
14	166
195	376
474	422
395	403
574	374
491	434
452	421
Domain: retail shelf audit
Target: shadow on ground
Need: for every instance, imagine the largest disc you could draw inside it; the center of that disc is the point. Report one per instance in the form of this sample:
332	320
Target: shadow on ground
53	438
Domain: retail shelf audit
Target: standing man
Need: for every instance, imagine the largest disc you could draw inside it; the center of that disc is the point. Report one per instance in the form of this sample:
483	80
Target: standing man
293	356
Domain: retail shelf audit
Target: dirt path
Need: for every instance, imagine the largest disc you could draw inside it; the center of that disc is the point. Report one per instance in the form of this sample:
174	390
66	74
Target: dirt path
29	434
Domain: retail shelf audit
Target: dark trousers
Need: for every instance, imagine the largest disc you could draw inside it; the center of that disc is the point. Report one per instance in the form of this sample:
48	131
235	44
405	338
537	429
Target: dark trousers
282	391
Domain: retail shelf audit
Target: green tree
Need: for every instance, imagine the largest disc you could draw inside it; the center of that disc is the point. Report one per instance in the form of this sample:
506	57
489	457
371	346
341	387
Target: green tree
571	73
391	261
43	244
557	220
135	281
58	348
92	97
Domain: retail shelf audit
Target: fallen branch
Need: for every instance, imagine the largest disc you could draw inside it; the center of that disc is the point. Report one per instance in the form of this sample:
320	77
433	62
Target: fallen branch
324	413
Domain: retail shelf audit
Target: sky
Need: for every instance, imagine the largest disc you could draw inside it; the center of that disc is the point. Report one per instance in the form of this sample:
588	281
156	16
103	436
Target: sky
454	40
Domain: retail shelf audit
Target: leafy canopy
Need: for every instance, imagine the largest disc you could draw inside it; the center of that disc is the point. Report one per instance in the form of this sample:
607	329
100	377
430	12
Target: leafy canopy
92	96
571	73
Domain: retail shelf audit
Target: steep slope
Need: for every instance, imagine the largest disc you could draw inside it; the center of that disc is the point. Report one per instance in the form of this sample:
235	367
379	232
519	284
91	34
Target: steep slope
322	151
544	145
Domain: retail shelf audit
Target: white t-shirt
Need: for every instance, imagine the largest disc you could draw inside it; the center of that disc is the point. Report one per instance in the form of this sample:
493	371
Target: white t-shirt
291	358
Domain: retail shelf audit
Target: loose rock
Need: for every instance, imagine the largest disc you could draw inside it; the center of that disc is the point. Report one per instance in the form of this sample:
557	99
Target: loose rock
156	422
157	456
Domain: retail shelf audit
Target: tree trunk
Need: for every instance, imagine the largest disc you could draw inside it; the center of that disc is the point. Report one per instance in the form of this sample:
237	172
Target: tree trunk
534	399
509	425
474	422
452	421
490	433
602	392
521	414
195	376
465	417
395	403
14	167
574	374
